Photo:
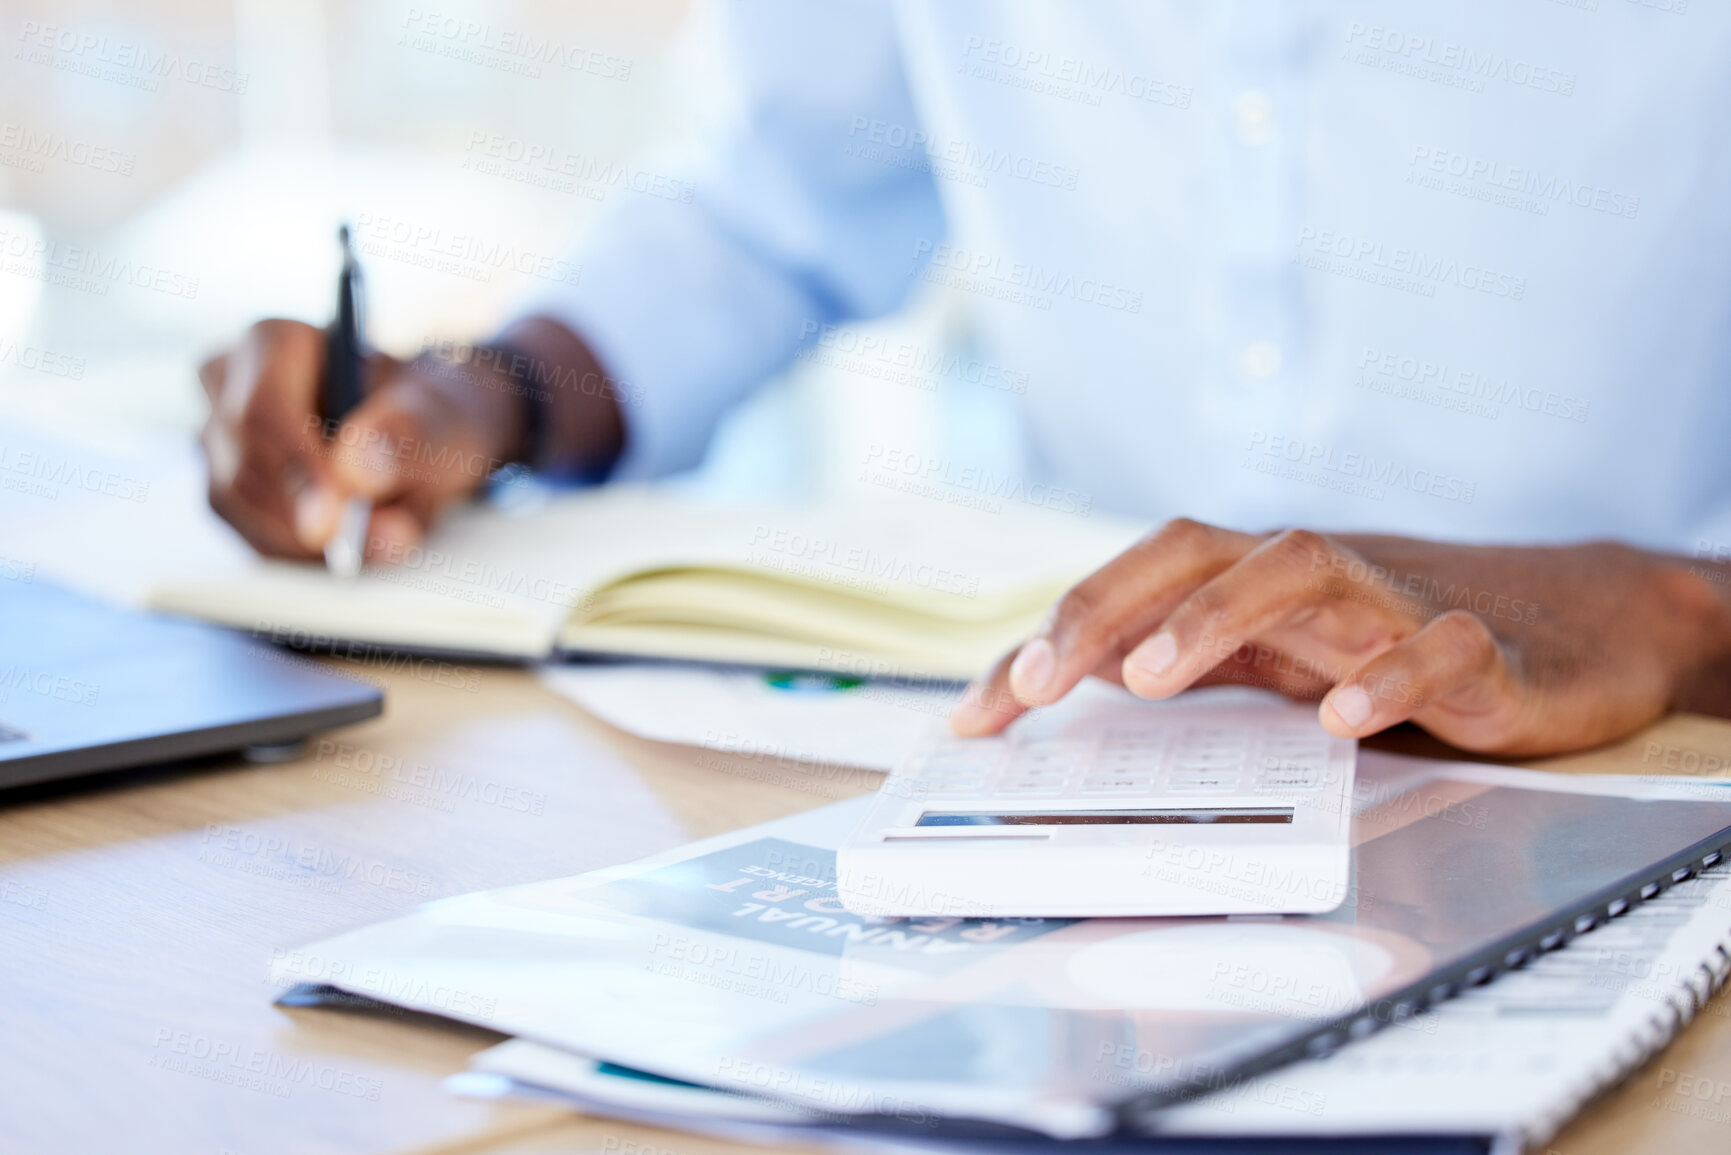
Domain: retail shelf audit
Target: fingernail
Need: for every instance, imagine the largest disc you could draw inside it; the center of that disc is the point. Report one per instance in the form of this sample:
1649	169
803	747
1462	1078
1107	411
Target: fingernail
316	513
1351	705
1156	655
1031	672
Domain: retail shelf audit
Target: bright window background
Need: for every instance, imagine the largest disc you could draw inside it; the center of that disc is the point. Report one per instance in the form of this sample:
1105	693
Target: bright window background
209	148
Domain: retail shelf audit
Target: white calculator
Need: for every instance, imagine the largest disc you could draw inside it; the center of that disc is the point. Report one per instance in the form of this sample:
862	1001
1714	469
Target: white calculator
1216	802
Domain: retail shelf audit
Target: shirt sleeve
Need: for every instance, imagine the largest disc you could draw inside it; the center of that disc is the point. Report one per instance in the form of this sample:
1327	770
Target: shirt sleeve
791	221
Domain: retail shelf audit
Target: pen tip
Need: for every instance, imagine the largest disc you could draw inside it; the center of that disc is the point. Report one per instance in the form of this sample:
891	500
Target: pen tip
343	235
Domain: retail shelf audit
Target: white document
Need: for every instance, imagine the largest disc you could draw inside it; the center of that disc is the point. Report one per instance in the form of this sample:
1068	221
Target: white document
820	719
1515	1059
730	962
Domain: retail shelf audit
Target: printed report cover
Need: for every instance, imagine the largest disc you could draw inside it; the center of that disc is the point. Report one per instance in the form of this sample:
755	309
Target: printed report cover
731	963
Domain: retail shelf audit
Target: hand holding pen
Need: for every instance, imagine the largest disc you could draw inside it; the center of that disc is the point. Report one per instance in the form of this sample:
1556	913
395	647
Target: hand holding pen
308	431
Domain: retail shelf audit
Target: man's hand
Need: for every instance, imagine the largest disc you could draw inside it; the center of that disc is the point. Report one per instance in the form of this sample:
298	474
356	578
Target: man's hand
1506	650
429	433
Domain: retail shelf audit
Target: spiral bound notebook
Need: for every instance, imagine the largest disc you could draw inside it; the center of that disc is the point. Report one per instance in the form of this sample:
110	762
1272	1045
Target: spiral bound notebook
1506	1064
1517	1059
728	962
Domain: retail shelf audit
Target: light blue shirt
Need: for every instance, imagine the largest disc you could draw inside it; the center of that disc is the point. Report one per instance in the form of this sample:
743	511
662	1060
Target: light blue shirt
1461	272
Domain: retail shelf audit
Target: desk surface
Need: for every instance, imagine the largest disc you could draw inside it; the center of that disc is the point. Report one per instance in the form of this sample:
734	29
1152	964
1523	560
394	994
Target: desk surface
137	919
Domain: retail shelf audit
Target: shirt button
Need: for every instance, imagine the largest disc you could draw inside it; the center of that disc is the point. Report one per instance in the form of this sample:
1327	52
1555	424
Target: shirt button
1260	359
1253	113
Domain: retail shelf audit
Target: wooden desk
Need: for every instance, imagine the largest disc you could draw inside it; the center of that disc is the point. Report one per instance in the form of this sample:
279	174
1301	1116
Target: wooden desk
137	920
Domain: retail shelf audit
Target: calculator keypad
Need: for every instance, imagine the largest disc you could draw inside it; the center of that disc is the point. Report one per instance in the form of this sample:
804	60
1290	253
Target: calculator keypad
1189	760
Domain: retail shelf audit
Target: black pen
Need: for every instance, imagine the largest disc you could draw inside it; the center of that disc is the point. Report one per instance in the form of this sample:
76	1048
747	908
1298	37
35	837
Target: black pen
340	395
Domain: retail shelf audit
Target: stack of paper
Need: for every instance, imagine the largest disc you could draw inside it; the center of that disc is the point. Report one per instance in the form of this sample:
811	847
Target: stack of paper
729	971
1513	1060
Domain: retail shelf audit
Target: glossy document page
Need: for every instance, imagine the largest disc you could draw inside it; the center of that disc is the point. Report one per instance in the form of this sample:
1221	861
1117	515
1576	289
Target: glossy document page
734	965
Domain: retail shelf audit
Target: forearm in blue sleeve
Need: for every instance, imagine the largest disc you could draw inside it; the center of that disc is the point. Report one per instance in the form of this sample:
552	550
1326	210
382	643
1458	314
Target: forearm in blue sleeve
690	303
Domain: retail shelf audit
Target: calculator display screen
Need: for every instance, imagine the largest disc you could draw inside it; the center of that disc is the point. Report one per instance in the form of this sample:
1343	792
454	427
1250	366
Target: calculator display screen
1107	817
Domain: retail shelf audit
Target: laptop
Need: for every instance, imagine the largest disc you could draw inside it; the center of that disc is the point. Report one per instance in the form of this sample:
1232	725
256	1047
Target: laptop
86	687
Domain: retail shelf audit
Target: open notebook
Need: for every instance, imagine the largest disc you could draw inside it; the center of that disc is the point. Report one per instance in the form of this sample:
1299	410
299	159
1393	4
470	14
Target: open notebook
910	589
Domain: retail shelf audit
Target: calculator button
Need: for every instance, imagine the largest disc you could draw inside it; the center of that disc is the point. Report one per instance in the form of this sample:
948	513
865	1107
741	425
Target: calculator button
1053	778
1028	762
1206	765
1289	777
1118	784
1149	734
1294	757
1209	754
1027	787
1293	752
1196	781
1054	746
1307	745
